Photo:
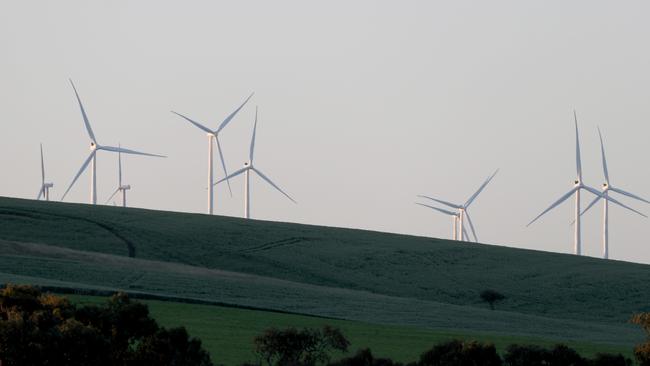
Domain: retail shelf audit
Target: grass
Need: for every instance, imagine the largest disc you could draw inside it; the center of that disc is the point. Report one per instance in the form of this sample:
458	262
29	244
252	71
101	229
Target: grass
376	278
227	333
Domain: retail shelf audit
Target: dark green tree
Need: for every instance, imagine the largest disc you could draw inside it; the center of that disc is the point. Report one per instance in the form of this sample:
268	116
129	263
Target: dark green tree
460	353
491	297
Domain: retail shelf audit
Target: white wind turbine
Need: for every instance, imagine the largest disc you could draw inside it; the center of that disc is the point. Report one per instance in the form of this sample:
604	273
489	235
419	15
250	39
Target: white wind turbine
578	185
248	167
462	209
214	135
45	187
120	187
455	217
607	187
94	147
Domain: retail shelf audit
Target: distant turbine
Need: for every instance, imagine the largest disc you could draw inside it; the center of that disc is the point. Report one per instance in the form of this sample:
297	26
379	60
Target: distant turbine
248	167
94	147
578	185
215	135
120	187
45	187
455	216
462	209
607	187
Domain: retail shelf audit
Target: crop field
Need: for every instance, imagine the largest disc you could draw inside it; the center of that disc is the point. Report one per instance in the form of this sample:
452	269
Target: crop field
374	278
227	333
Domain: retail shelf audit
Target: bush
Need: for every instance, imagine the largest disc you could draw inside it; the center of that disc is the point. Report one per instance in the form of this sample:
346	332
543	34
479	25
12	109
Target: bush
364	357
44	329
459	353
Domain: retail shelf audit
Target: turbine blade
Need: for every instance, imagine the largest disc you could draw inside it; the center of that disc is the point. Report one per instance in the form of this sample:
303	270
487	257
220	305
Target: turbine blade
40	193
223	163
615	201
119	167
555	204
127	151
466	235
273	184
631	195
42	168
194	123
441	201
252	150
471	225
232	175
578	160
591	204
438	209
83	167
232	115
602	150
481	188
113	195
83	113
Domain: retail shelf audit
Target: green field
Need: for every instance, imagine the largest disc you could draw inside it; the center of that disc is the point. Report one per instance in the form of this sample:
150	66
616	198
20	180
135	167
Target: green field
227	333
370	277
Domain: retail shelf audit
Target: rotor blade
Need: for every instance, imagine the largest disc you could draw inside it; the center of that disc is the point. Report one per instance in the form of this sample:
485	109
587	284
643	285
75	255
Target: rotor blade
223	163
250	156
591	204
441	201
555	204
232	115
273	184
232	175
42	167
127	151
83	167
578	160
40	193
471	225
113	195
119	168
438	209
615	201
83	113
481	188
466	235
194	123
631	195
602	150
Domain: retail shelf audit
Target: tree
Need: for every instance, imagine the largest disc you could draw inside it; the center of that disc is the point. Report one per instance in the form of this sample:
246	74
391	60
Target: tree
364	357
491	297
459	353
642	351
45	329
293	347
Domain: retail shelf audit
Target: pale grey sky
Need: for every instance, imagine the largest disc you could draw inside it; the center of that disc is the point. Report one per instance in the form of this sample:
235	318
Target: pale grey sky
363	105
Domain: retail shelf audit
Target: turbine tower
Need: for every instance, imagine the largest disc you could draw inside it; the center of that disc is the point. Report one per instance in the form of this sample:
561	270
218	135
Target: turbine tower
578	185
462	209
213	135
607	187
454	216
45	187
248	167
92	158
120	187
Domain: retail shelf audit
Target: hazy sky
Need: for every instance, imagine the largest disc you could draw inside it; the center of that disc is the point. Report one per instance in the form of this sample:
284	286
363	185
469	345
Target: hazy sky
363	105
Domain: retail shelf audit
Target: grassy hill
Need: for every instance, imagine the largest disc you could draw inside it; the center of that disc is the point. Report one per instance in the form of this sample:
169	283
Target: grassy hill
349	274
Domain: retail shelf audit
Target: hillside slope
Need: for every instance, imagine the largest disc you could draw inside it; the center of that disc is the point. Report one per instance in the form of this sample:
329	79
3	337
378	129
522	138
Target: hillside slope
345	273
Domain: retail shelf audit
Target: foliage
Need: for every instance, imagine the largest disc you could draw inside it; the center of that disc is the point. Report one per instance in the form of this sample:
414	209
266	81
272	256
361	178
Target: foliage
364	357
642	351
293	347
44	329
491	297
461	353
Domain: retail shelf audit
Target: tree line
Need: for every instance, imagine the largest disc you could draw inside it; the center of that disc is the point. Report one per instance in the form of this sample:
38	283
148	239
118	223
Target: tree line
44	329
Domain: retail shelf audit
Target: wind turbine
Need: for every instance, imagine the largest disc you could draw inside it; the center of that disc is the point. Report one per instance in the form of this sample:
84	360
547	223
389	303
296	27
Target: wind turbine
92	158
45	187
120	187
455	216
248	167
578	185
607	187
462	209
214	135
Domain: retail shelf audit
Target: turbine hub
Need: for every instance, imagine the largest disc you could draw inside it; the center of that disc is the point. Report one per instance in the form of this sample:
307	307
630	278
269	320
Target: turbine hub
576	182
93	146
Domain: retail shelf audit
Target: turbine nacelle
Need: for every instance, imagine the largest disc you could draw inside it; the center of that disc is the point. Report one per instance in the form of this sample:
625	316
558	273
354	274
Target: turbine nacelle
48	185
93	146
125	187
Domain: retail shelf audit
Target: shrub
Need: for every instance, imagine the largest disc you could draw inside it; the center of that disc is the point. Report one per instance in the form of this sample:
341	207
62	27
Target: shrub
459	353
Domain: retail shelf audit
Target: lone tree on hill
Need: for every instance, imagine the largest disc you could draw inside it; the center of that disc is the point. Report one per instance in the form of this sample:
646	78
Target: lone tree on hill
491	297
